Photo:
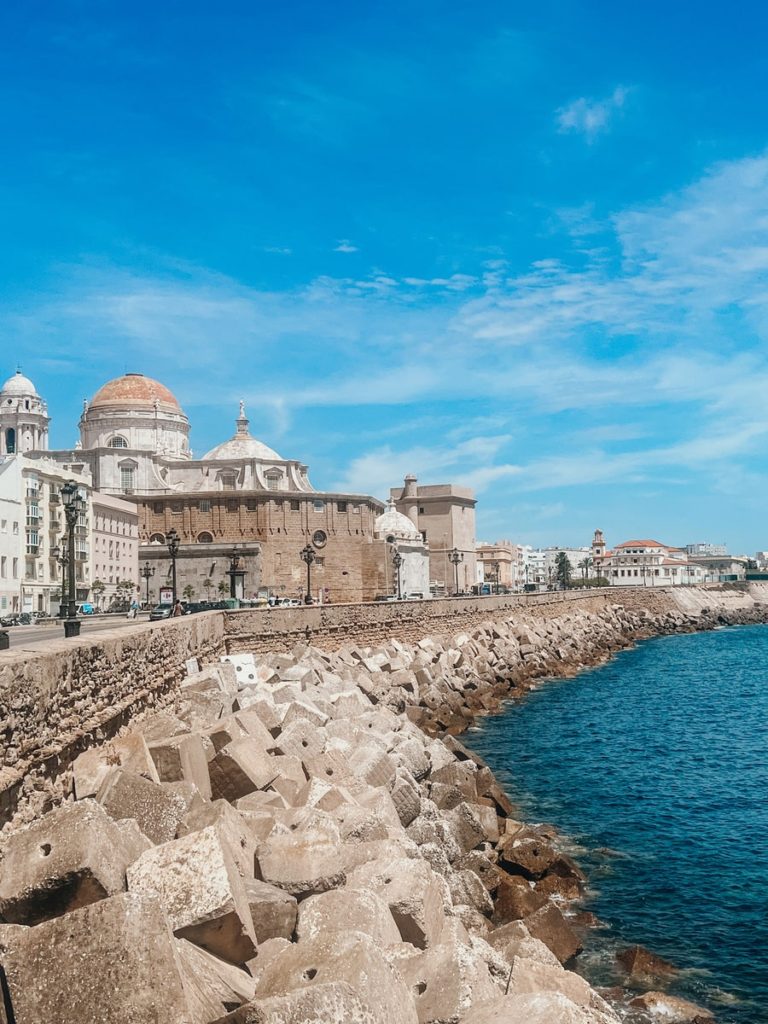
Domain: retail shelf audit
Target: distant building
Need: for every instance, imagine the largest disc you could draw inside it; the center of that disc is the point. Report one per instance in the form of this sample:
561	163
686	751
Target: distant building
501	563
706	550
723	568
444	514
540	564
115	555
644	563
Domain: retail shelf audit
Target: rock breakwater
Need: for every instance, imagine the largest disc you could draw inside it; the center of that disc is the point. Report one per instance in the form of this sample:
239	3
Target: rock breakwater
301	837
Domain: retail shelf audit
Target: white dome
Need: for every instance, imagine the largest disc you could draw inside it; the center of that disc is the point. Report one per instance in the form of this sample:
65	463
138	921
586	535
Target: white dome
392	523
242	445
18	384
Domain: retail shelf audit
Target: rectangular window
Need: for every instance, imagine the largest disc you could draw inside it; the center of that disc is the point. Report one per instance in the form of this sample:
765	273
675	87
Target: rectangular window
421	511
126	478
4	567
318	505
356	510
319	560
4	526
295	505
15	568
341	506
205	505
177	507
251	504
157	507
231	504
15	529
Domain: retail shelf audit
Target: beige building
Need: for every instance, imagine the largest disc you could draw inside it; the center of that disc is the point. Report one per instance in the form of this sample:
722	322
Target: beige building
115	553
409	578
444	514
501	563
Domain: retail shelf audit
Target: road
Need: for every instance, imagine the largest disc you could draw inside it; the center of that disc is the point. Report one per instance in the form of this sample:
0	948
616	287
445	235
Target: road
24	637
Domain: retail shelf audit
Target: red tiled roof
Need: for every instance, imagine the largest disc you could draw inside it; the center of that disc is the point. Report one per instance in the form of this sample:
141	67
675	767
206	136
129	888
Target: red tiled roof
134	389
641	544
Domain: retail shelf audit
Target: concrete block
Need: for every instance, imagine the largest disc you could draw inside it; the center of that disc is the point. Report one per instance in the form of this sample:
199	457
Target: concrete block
73	856
446	981
412	891
213	986
349	957
406	797
180	759
128	752
549	925
199	710
542	1008
514	940
156	809
240	768
113	962
244	666
236	828
332	1002
347	910
300	863
252	725
529	977
300	739
273	911
198	885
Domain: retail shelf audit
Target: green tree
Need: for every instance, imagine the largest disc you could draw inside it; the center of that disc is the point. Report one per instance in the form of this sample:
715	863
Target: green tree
98	587
562	569
223	588
207	584
188	592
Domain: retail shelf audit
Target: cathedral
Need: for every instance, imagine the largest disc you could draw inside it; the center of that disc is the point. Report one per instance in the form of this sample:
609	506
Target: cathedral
240	503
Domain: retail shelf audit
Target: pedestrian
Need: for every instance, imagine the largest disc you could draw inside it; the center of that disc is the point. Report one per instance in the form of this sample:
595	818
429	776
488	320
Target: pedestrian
134	609
177	609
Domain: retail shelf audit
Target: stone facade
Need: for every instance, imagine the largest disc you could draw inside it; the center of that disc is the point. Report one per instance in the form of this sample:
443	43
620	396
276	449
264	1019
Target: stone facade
115	555
269	530
24	417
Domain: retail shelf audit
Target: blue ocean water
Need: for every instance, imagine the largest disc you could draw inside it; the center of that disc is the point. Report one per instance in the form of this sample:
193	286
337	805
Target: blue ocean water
656	765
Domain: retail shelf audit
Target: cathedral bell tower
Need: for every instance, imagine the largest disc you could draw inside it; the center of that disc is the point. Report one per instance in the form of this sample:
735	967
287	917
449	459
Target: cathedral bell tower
24	417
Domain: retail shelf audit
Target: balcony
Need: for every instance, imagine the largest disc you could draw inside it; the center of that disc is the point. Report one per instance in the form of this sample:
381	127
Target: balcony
33	549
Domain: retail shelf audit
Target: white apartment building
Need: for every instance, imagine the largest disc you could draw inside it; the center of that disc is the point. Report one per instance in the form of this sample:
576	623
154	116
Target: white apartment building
31	508
539	564
115	554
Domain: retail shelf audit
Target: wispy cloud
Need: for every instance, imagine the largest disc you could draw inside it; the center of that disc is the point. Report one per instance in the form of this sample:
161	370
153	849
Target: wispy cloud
344	245
590	117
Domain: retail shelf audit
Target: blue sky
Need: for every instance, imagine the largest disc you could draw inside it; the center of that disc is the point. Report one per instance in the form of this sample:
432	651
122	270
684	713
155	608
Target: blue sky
520	247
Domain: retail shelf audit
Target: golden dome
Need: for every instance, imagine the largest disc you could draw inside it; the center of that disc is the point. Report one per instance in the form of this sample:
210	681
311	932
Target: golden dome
134	389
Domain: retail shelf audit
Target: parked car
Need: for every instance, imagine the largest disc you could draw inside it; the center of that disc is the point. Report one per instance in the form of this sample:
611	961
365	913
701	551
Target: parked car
86	608
160	611
9	620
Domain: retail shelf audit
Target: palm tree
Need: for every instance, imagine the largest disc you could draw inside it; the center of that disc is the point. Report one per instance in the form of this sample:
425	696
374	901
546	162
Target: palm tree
188	592
207	584
223	588
562	569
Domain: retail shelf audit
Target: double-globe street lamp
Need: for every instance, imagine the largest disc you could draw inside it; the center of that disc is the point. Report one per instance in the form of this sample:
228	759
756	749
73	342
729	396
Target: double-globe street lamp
172	540
397	561
147	571
73	507
454	557
307	554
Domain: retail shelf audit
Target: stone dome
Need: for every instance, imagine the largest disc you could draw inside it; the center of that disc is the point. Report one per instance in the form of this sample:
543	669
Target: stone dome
18	384
242	446
137	391
392	523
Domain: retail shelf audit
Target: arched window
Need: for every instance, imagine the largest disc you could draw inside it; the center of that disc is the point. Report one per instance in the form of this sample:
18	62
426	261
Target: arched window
117	442
204	538
157	538
10	441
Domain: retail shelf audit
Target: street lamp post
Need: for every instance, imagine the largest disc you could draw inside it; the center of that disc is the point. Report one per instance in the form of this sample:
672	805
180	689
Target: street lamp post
308	555
455	556
73	505
60	555
496	566
397	561
172	540
235	573
148	571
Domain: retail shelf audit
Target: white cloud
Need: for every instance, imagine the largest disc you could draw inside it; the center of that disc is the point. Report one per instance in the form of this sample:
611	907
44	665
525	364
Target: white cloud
344	245
590	117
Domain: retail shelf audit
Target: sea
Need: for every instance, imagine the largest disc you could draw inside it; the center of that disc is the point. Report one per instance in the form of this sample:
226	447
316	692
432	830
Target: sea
655	768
